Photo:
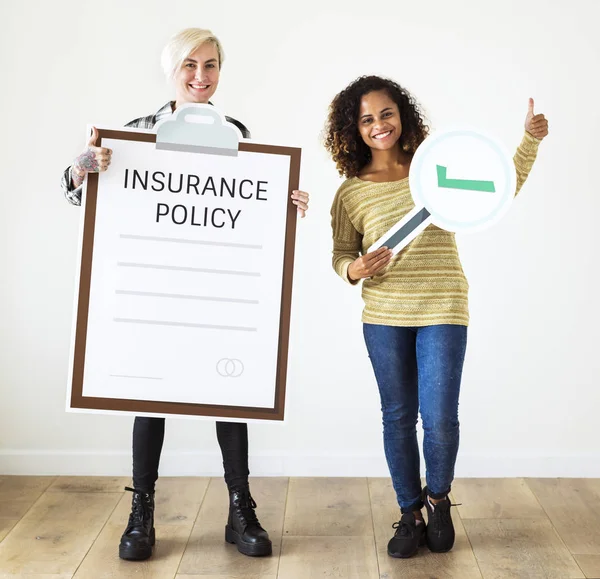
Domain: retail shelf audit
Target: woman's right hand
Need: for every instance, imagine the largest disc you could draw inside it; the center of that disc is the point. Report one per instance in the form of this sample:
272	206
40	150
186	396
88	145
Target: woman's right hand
92	160
369	264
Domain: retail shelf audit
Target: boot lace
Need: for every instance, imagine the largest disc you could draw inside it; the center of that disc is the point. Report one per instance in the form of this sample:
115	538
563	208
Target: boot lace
139	507
245	507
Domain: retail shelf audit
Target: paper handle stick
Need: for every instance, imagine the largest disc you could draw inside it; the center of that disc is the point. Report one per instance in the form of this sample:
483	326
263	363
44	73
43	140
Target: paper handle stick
404	231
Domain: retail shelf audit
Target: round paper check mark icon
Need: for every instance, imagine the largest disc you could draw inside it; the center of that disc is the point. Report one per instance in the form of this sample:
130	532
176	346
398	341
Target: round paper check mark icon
461	180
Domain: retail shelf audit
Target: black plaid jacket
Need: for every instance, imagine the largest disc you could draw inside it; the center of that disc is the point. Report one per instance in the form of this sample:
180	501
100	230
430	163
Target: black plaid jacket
73	194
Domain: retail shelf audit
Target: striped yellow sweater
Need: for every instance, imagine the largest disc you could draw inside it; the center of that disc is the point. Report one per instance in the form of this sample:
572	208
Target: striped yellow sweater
425	283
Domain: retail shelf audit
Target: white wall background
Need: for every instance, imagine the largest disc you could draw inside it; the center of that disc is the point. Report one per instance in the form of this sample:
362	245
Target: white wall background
530	393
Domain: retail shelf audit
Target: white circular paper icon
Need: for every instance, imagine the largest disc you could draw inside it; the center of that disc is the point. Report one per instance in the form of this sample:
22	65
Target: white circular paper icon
461	180
465	179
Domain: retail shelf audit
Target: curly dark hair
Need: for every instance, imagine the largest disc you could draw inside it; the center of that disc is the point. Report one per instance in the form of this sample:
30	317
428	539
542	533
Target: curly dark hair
342	138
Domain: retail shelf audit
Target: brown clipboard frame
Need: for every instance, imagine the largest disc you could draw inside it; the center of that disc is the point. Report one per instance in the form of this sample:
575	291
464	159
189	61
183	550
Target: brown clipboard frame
80	402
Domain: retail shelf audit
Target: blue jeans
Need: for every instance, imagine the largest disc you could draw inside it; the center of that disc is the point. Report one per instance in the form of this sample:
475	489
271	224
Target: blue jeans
418	368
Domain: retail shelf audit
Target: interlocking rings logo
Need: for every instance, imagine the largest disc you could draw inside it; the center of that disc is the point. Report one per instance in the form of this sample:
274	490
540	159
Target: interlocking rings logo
230	368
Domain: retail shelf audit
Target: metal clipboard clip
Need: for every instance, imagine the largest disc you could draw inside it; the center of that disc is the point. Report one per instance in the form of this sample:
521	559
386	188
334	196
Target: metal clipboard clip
198	128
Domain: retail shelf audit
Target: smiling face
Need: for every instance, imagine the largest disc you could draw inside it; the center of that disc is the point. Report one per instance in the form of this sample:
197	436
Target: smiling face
379	120
198	76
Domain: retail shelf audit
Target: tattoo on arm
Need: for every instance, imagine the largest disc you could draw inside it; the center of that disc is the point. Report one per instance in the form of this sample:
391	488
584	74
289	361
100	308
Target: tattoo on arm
87	162
76	178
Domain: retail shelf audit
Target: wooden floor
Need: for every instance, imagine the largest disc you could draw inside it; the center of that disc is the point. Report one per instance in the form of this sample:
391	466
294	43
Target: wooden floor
69	527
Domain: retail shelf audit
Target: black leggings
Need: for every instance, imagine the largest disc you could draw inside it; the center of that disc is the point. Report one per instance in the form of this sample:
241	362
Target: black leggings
148	436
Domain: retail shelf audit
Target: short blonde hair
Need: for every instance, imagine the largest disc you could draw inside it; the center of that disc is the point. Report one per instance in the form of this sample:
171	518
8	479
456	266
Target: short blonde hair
182	44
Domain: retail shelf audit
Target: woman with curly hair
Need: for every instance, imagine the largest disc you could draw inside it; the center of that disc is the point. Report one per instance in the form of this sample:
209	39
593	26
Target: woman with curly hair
416	312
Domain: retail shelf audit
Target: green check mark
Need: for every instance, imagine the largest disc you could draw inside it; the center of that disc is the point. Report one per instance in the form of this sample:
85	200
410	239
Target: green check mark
464	184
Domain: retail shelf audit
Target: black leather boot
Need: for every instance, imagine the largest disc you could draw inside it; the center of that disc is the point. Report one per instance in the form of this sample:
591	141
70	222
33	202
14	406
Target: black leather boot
243	527
138	539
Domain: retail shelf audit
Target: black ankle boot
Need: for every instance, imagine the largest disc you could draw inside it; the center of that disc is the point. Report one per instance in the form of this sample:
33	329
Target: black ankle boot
440	529
138	539
243	527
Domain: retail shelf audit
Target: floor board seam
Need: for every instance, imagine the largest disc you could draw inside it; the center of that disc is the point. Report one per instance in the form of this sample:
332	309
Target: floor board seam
287	495
374	532
193	527
553	527
99	533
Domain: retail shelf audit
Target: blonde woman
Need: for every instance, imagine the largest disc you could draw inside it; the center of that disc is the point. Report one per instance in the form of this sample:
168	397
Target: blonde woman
192	60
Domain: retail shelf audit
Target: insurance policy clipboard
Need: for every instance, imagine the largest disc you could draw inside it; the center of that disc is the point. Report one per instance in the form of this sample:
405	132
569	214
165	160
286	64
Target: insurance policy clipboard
185	279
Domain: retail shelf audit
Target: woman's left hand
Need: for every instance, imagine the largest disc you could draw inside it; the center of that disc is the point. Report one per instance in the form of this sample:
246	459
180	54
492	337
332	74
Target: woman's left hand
535	125
300	199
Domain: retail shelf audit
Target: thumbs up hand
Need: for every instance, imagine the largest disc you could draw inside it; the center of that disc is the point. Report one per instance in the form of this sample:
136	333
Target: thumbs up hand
535	125
92	160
